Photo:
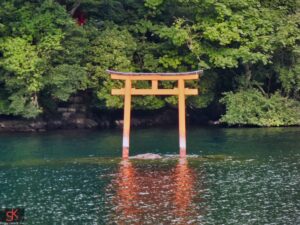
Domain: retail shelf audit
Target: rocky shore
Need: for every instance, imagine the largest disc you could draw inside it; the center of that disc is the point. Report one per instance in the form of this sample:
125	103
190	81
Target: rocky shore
78	122
75	114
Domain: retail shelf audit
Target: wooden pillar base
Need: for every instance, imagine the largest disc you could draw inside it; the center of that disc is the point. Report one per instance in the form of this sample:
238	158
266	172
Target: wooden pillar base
182	146
182	153
125	153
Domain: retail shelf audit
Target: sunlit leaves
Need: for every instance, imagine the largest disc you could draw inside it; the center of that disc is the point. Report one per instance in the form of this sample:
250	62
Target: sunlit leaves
112	49
21	59
65	80
153	4
251	107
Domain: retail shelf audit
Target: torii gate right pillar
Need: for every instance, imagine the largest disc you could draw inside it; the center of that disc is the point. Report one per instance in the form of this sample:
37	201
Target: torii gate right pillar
181	118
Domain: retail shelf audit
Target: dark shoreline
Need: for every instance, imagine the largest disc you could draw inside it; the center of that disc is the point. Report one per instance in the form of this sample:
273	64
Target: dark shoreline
39	125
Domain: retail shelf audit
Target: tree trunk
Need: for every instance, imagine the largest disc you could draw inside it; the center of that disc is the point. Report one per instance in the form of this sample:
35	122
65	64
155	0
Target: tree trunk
34	100
75	7
248	74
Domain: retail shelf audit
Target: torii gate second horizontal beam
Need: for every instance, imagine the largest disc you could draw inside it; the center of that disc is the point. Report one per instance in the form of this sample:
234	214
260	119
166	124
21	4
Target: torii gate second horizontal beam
174	91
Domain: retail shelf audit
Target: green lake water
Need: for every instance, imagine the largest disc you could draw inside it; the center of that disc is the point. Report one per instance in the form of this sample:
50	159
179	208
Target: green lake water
232	176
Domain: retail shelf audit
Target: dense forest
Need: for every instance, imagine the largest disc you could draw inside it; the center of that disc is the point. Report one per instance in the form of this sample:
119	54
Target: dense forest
249	50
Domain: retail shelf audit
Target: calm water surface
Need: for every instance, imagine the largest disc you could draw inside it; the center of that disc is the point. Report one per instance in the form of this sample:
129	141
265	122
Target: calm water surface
233	176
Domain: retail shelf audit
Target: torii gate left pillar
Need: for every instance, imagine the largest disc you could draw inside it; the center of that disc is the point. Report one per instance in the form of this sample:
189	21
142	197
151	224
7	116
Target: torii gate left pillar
180	91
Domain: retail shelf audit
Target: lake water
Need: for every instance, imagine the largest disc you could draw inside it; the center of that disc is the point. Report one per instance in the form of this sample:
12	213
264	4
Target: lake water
232	176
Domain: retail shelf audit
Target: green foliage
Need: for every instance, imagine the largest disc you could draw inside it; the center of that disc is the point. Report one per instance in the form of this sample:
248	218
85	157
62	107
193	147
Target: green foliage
207	90
65	80
21	60
288	69
4	103
31	38
251	107
251	45
22	104
153	4
22	76
113	48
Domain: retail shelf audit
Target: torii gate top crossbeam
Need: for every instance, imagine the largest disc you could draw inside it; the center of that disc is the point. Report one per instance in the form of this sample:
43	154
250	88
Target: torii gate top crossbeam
155	76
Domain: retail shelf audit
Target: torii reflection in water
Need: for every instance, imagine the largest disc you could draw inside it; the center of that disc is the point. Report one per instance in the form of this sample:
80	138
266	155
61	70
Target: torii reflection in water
160	196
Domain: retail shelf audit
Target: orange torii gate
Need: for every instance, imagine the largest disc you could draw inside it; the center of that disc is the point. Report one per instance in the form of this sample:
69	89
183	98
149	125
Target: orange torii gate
180	91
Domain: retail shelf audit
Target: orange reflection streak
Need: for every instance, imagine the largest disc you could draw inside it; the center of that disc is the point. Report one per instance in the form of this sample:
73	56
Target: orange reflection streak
161	195
126	190
184	192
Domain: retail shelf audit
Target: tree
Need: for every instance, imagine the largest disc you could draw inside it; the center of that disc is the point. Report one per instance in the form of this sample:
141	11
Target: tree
243	46
251	107
32	35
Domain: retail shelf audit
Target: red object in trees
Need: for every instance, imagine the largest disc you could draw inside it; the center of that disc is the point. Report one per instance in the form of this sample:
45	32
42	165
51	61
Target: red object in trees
80	18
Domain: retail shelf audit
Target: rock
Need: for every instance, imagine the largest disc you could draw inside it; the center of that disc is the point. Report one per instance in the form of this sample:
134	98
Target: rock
119	123
62	109
146	156
66	115
104	124
217	122
72	109
54	124
89	123
22	125
82	109
38	125
76	99
165	118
